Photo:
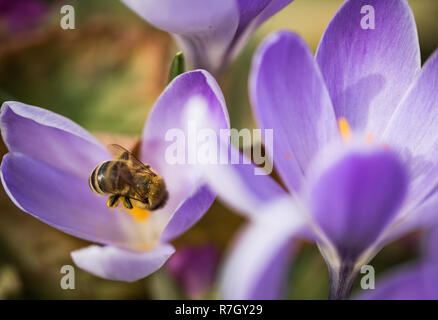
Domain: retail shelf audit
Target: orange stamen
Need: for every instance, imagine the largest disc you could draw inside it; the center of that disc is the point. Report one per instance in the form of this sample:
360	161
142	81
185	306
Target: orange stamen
344	129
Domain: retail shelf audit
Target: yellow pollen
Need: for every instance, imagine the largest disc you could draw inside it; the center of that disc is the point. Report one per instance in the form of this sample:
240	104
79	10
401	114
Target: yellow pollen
344	128
139	215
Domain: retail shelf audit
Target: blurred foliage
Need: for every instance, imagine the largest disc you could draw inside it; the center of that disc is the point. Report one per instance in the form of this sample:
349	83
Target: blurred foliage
106	75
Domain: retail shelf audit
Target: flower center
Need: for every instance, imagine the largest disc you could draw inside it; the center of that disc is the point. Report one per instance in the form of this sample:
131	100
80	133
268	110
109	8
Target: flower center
139	215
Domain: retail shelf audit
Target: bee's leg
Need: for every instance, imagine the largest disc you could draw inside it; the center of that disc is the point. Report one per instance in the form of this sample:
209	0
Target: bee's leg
113	201
127	203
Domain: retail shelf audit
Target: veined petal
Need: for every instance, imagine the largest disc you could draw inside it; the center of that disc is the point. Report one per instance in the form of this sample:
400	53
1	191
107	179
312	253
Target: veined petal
289	96
65	202
367	71
354	197
257	266
113	263
180	110
205	29
49	137
412	132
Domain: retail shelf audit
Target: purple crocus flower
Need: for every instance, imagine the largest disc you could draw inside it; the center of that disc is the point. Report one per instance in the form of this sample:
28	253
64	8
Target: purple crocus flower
194	268
354	143
417	281
210	32
50	159
19	15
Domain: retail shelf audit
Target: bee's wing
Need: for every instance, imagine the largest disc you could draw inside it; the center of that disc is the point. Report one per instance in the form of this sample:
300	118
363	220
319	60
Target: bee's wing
133	167
122	154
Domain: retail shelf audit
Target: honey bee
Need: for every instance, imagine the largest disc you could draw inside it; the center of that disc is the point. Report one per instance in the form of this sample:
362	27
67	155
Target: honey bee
128	180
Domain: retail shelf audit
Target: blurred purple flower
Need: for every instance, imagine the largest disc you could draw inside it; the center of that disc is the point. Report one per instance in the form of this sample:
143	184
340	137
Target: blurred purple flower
418	281
20	15
366	86
194	268
211	33
50	158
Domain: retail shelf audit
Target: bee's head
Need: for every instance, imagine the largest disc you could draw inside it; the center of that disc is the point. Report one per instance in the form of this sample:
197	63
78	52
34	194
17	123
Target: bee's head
157	194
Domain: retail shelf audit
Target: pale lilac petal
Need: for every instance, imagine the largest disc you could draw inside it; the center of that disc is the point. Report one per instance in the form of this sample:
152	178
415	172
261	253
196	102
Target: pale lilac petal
204	29
258	264
355	197
289	96
412	217
418	282
49	137
412	132
174	111
367	71
64	201
241	185
189	212
113	263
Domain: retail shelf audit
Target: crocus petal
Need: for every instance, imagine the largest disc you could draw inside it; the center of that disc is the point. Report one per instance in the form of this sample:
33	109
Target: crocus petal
367	71
21	15
249	9
204	29
290	97
418	113
272	8
257	266
409	283
188	213
355	197
121	265
64	201
252	14
49	137
242	185
194	268
180	108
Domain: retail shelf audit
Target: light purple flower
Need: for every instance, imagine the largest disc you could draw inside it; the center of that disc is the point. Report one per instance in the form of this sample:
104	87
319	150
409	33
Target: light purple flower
20	15
210	33
50	159
416	281
354	143
194	268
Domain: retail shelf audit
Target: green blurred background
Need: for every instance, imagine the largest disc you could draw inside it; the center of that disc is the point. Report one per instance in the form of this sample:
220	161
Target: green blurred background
106	75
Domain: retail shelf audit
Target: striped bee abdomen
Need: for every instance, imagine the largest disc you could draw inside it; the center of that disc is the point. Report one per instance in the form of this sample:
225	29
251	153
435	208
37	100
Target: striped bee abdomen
110	178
